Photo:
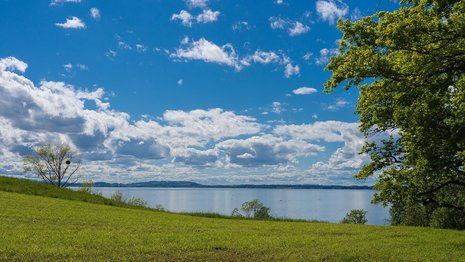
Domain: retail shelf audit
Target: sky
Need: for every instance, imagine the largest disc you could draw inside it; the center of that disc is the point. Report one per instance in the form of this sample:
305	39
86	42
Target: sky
210	91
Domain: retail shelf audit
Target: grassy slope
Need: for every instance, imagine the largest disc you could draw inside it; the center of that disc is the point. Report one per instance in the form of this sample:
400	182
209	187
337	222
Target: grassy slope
44	228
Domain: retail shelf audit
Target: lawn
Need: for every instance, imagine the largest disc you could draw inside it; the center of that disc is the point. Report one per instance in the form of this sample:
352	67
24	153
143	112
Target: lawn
43	228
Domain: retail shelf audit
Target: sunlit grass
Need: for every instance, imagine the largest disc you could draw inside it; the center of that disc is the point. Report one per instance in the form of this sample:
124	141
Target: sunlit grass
44	228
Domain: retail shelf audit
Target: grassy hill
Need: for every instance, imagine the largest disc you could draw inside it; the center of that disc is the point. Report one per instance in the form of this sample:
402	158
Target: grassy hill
35	226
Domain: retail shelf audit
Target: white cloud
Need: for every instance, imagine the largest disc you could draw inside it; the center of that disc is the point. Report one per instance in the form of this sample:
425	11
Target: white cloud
110	53
141	48
277	107
60	2
183	16
346	160
330	11
325	55
186	18
208	52
339	104
72	23
291	70
68	67
241	26
277	23
298	28
279	2
207	16
197	3
94	13
180	82
123	45
294	28
12	63
304	90
265	150
307	56
265	57
173	146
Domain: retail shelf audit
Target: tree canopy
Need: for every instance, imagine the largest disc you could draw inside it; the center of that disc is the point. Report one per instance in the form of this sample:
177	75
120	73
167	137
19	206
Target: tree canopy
409	67
53	164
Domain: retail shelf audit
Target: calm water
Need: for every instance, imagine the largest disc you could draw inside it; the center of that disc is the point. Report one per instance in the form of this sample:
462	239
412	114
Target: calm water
321	204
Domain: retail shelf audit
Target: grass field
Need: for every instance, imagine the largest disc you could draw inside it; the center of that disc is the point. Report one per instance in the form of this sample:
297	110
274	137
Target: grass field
43	228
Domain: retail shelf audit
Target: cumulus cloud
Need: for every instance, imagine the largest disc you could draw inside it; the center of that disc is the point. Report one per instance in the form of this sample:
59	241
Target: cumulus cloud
277	23
330	11
173	146
72	23
337	105
265	150
184	17
141	48
298	28
12	63
207	16
197	3
263	57
294	28
56	112
291	70
94	13
304	90
325	55
346	159
187	19
208	52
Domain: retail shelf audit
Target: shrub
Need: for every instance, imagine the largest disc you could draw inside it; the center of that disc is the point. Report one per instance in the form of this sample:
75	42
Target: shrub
137	201
117	196
448	218
252	209
87	186
410	215
355	216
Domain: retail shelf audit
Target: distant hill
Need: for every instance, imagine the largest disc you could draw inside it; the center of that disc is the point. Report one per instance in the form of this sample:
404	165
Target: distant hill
189	184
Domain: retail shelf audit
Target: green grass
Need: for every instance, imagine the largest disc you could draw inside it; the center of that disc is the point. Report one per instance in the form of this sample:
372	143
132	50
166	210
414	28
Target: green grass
42	228
29	187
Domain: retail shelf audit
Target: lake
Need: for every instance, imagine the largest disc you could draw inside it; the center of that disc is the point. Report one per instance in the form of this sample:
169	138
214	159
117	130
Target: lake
320	204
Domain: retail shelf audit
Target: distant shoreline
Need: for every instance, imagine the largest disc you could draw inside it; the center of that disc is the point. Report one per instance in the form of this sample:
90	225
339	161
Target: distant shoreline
186	184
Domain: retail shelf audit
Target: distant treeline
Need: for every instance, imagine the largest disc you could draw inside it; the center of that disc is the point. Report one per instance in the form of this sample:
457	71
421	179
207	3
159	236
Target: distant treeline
197	185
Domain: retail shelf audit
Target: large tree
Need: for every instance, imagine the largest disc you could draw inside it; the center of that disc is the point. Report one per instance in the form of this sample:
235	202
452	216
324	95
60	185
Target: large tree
409	66
56	165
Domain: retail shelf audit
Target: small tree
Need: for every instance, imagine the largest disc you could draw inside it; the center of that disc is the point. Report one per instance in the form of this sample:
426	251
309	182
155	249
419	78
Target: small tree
355	216
54	164
254	209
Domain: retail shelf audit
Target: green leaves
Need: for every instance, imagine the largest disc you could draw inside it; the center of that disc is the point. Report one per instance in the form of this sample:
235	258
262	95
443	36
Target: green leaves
409	66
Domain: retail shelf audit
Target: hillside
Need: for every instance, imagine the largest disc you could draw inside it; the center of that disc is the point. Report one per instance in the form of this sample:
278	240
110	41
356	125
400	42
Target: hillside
43	228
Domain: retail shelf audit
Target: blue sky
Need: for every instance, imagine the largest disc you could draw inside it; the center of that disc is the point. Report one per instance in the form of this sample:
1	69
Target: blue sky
207	91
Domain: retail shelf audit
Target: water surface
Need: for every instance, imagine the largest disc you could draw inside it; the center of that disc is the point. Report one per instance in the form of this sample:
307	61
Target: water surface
320	204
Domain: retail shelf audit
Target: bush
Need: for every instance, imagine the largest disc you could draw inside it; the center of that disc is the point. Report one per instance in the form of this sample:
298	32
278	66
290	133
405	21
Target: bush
448	218
87	186
410	215
252	209
136	201
355	216
117	196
